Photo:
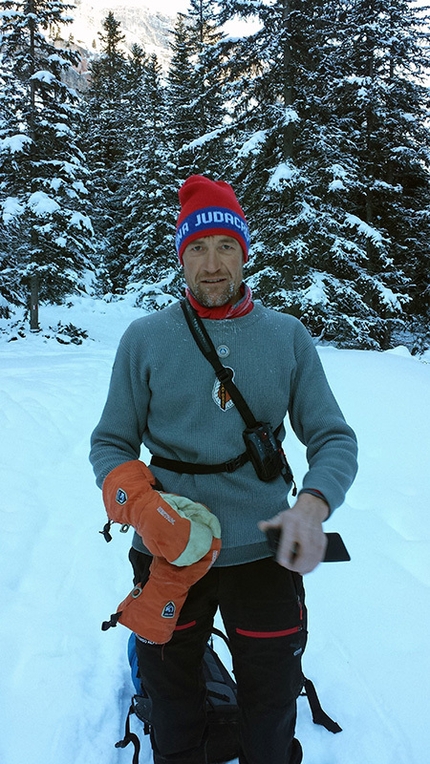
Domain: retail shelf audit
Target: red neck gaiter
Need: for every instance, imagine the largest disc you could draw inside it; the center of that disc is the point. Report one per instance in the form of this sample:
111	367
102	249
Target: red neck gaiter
241	308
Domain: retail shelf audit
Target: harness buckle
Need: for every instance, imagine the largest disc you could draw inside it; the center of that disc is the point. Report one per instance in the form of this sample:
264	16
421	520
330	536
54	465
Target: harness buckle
235	463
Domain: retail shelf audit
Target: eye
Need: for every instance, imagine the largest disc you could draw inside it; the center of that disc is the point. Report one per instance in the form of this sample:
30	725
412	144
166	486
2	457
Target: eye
195	249
228	246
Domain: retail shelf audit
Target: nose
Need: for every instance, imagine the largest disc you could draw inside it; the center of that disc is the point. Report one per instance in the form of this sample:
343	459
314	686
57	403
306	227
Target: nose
212	261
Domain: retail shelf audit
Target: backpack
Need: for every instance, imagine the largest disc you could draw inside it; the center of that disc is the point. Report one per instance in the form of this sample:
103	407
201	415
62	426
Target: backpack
221	706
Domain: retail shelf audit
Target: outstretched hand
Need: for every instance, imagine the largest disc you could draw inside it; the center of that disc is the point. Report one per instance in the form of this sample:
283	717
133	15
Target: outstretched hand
303	542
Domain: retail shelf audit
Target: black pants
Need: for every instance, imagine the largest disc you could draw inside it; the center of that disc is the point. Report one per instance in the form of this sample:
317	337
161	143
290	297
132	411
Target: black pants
262	607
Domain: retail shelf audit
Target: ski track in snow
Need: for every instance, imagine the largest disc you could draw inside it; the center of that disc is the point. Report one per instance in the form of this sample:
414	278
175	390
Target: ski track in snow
66	685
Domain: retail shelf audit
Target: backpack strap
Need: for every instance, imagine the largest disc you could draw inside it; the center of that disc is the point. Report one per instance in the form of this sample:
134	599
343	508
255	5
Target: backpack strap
319	716
130	737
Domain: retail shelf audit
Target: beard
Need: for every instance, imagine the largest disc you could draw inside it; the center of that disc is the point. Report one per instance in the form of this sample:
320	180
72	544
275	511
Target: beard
214	299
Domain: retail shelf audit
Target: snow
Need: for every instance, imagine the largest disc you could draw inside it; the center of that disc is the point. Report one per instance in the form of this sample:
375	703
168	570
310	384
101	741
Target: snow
15	143
336	185
316	293
62	129
79	220
42	204
364	228
202	140
340	177
12	208
79	186
290	115
253	144
65	683
285	172
44	76
391	299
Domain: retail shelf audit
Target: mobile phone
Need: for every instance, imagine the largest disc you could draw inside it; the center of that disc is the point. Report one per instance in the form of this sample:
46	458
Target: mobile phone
336	550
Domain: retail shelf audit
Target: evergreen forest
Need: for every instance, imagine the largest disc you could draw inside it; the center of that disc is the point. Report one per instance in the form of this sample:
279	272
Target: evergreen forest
318	116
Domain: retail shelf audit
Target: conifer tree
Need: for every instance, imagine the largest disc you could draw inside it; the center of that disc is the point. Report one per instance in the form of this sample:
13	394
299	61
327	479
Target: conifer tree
12	291
43	170
180	87
134	105
302	169
196	91
385	96
204	37
152	271
106	138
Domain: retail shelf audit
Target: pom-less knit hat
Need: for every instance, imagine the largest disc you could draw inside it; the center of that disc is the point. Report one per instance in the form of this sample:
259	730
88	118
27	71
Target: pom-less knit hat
209	208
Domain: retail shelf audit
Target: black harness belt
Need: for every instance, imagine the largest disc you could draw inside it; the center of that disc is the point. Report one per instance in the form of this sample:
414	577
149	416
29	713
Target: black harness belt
189	468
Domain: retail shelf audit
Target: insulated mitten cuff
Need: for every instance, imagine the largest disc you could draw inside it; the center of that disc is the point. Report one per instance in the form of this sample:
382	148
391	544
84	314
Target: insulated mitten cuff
172	527
152	611
204	527
123	485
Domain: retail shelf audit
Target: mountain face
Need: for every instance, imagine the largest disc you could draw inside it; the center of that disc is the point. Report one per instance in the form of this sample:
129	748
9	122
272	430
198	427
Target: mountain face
149	29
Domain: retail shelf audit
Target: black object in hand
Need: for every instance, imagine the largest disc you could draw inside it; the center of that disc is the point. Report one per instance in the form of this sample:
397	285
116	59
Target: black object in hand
336	550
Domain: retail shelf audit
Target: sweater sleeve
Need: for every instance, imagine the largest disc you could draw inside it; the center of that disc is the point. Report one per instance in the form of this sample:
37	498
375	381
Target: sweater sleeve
118	436
331	445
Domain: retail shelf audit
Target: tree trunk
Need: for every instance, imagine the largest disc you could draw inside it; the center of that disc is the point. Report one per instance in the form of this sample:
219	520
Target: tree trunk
34	303
34	279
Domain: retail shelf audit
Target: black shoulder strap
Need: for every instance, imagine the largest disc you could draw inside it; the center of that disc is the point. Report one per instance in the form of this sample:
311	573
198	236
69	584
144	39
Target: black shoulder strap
224	375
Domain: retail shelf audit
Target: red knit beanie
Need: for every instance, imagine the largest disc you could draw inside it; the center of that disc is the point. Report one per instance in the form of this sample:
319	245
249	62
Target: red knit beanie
209	208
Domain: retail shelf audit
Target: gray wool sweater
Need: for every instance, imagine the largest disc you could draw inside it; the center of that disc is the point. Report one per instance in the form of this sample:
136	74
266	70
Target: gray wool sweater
165	394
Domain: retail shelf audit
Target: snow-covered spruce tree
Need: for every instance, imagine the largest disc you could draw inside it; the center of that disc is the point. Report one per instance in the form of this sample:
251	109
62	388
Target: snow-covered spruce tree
180	88
384	97
196	92
134	95
106	135
43	169
151	197
12	291
296	161
208	76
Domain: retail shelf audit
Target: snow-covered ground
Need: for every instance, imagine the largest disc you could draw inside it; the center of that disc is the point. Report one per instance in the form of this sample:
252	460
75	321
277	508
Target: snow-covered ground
65	684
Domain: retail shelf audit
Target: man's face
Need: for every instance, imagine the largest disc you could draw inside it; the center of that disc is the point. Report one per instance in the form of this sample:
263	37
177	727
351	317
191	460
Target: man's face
213	270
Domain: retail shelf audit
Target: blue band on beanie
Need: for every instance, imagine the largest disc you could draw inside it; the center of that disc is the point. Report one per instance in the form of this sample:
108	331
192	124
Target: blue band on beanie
210	218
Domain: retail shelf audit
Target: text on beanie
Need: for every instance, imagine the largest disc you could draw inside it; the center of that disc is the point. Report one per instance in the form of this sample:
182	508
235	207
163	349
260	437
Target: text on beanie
209	208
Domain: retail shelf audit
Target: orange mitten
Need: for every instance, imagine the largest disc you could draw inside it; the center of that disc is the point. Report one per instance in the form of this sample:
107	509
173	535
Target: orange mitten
173	527
152	611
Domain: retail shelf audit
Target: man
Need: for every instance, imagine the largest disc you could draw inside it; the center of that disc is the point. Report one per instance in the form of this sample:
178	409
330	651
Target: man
199	512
